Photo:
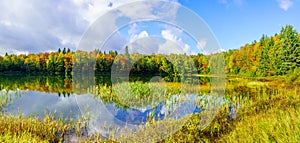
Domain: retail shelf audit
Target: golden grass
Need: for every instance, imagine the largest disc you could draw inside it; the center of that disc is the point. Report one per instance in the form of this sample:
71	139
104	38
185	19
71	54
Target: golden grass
275	125
30	128
268	113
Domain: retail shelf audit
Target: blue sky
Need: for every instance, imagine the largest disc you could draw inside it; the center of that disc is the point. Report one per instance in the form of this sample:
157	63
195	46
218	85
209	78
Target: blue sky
33	26
237	22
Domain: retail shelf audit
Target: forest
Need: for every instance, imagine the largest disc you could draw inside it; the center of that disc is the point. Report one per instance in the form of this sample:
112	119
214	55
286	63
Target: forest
270	56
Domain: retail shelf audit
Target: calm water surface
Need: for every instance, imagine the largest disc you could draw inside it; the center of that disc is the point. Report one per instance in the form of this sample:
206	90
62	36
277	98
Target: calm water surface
40	95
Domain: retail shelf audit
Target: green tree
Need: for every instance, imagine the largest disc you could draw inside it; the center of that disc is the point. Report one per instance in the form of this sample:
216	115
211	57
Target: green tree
64	50
264	66
290	50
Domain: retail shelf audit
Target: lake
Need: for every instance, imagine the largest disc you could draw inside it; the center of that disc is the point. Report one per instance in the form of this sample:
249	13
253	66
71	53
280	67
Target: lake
129	105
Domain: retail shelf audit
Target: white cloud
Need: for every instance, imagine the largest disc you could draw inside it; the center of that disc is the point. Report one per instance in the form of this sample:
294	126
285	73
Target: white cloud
37	27
143	43
168	43
151	10
133	29
168	34
174	43
92	9
146	45
143	34
201	44
169	47
285	4
5	50
34	26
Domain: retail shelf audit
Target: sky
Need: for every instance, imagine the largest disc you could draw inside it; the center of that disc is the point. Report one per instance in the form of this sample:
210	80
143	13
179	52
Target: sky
35	26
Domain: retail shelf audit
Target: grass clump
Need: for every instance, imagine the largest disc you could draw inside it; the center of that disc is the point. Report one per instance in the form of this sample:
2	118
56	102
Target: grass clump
18	129
22	138
275	125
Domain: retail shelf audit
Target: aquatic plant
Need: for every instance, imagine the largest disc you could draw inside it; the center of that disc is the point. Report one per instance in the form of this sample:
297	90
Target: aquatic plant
268	113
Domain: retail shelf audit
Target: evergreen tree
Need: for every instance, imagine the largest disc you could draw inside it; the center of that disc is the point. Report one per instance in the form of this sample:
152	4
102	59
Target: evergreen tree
290	50
64	50
264	61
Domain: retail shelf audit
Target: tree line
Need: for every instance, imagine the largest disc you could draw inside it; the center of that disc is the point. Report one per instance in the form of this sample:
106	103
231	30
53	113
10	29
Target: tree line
43	63
270	56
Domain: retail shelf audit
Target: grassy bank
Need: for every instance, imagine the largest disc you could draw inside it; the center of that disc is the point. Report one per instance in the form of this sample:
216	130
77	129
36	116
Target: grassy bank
268	112
30	129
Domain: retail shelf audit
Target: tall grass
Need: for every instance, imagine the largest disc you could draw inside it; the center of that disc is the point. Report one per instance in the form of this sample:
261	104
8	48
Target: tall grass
31	128
265	112
268	112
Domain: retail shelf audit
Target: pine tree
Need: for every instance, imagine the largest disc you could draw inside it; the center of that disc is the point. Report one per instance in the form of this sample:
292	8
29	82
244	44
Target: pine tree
64	50
290	50
264	61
